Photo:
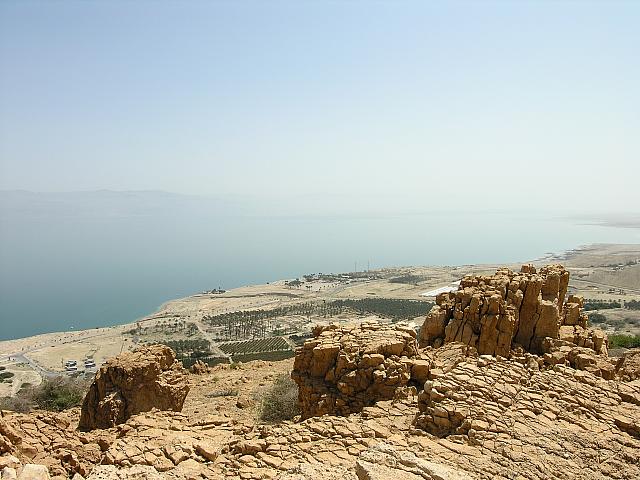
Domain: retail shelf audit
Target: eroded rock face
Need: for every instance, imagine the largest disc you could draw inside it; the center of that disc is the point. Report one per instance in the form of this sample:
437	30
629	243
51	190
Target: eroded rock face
51	439
537	425
134	382
497	313
9	438
345	368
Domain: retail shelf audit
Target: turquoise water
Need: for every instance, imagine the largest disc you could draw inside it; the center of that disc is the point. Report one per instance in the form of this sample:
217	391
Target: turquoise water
79	268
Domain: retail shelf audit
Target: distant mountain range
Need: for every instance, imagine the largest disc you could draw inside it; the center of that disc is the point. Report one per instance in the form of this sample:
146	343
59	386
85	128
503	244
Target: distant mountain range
108	203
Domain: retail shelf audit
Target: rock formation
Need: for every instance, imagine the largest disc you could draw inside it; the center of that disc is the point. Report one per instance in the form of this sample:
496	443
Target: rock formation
134	382
200	368
344	368
500	312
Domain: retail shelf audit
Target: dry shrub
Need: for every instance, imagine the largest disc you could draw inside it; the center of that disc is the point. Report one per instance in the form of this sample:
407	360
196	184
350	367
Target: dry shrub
55	394
15	404
280	402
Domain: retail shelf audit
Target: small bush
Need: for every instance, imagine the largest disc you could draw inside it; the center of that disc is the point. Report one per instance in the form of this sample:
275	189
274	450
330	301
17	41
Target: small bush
281	401
5	376
57	393
617	323
15	404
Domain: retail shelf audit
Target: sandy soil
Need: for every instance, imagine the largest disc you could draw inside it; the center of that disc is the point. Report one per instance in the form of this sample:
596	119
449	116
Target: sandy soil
218	392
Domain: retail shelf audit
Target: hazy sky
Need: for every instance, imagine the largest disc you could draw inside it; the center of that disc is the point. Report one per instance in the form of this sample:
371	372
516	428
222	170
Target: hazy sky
485	104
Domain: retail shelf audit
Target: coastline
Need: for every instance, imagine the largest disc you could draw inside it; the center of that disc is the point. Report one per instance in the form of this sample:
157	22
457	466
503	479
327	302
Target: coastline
45	353
546	257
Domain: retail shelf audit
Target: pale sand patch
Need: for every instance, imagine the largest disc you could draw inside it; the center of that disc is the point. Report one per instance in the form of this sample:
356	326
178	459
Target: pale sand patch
21	374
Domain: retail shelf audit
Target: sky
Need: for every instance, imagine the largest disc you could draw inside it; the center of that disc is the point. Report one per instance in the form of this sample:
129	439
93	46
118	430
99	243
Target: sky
481	104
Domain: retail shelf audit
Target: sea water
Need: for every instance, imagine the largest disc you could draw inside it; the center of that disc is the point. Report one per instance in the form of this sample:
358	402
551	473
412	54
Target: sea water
64	266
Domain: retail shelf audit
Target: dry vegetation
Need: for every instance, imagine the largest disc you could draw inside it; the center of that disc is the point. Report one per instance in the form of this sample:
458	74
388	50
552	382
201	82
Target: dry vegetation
280	402
53	394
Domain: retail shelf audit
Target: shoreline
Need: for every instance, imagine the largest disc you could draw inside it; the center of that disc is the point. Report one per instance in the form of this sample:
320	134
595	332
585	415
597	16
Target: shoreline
599	271
546	257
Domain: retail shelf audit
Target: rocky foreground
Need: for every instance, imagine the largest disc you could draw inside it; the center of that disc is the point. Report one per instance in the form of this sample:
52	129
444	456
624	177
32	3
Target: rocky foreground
505	380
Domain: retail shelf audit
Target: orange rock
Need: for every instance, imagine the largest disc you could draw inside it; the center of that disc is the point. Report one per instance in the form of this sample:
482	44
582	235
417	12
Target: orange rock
134	382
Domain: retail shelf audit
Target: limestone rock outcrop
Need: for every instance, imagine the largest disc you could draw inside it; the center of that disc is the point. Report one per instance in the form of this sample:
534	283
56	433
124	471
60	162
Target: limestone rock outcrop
500	312
50	439
134	382
558	419
347	367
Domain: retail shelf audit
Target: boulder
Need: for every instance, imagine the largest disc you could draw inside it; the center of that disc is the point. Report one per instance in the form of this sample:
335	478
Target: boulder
628	367
208	450
134	382
9	473
420	370
34	472
9	461
200	368
9	438
347	367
